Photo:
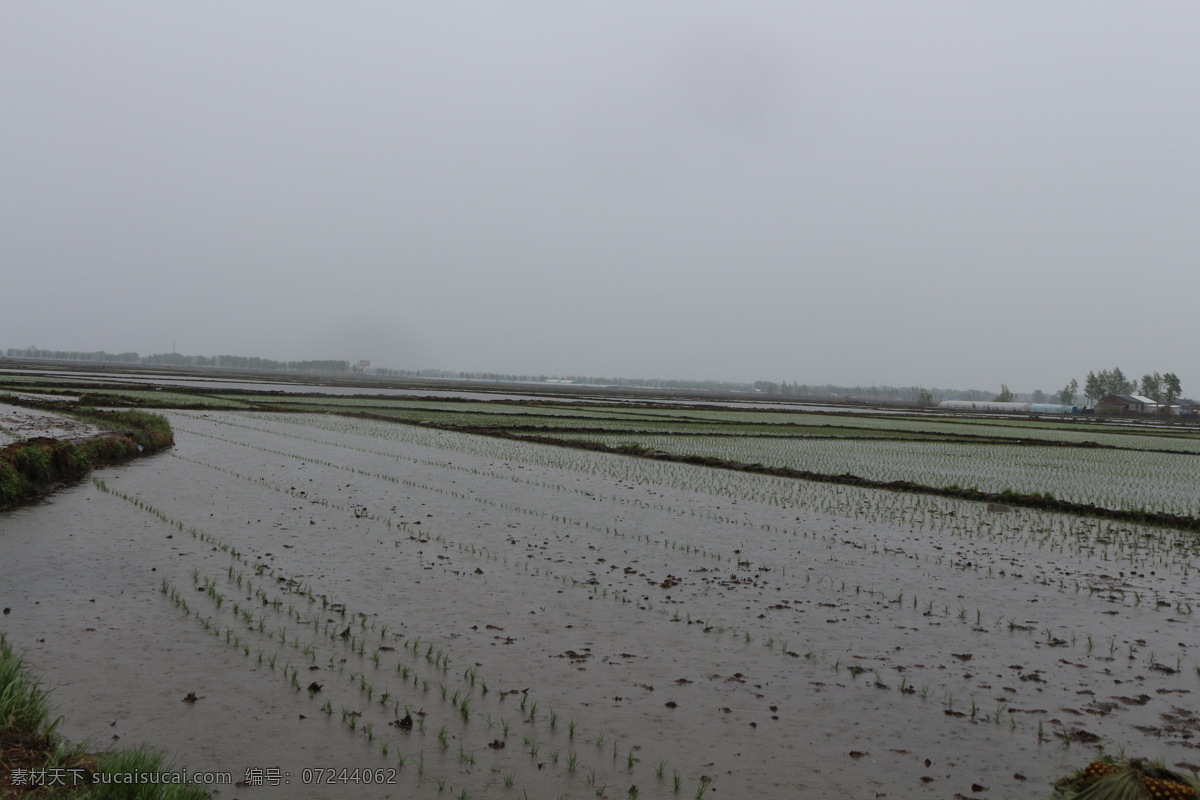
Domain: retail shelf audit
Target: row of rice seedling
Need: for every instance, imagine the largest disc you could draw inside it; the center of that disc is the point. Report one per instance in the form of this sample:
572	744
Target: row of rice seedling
1114	479
1140	545
1113	434
309	635
777	491
770	642
170	399
889	568
871	505
473	408
1072	535
527	421
999	571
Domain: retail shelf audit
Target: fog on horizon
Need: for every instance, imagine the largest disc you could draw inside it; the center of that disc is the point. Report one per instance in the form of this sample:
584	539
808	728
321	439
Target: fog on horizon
930	193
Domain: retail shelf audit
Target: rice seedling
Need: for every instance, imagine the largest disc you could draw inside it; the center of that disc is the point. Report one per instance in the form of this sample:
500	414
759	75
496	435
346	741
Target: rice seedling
23	703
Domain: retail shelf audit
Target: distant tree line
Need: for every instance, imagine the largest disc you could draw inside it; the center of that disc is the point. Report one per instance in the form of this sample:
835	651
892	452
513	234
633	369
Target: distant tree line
180	360
1159	387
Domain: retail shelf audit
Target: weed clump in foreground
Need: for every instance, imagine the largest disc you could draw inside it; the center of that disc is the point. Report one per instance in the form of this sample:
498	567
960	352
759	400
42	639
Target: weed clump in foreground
30	749
1131	779
29	469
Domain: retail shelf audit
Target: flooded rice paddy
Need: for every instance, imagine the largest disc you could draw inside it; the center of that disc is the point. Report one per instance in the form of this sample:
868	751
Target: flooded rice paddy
473	617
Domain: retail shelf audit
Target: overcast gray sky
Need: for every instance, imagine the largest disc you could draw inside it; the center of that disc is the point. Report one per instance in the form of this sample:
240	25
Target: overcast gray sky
952	194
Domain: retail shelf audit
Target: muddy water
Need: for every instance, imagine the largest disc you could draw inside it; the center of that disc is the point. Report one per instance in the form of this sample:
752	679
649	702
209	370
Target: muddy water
830	649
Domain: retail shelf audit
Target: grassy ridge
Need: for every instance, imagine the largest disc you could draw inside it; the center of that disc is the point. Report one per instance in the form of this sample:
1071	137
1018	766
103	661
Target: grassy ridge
29	469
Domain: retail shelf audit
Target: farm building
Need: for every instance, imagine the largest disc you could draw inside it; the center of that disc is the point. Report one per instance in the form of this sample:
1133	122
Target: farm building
1120	404
1186	408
